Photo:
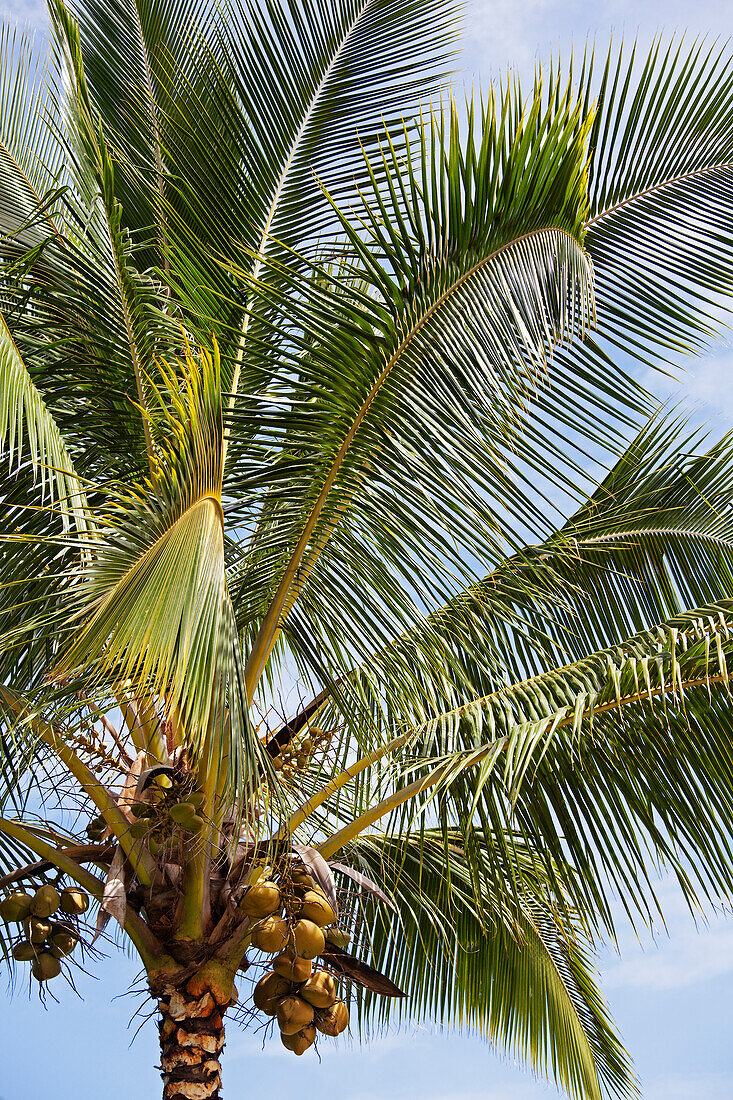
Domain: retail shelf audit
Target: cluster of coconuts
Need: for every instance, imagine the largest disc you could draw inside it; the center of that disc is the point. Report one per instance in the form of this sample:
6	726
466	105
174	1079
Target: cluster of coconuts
156	821
296	756
291	917
44	941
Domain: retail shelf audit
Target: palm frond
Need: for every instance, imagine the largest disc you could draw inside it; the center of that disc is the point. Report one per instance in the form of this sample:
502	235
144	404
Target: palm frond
506	967
26	424
661	194
617	763
154	596
396	420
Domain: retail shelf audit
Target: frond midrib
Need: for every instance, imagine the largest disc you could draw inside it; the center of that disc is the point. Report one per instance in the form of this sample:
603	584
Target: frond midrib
655	187
272	616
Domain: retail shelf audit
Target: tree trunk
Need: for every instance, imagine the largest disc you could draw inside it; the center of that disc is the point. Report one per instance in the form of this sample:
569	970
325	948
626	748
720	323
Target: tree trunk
191	1041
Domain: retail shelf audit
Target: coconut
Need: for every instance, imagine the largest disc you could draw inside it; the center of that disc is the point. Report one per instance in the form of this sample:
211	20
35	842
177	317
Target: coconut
45	967
302	878
277	763
290	966
24	951
306	745
301	760
16	906
194	824
293	1013
261	900
271	935
182	812
269	991
333	1020
37	929
62	943
338	936
142	809
309	939
139	829
197	799
73	901
45	901
320	990
299	1042
315	907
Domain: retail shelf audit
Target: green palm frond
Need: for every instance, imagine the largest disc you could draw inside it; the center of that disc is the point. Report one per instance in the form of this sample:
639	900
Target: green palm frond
27	425
155	594
654	539
615	763
31	155
661	194
508	968
432	389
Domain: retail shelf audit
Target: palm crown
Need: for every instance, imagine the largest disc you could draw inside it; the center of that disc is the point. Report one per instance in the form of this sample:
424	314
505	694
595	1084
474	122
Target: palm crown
303	369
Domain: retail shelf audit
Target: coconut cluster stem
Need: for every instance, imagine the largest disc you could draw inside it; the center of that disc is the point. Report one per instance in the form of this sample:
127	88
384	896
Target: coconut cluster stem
146	943
104	801
308	807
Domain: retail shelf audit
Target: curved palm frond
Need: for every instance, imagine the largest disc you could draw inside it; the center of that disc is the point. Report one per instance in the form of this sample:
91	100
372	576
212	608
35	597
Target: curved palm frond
152	608
394	423
507	967
615	763
661	195
654	539
26	423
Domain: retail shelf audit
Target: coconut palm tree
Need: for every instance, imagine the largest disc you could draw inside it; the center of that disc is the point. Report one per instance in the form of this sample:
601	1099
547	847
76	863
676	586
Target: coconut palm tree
366	627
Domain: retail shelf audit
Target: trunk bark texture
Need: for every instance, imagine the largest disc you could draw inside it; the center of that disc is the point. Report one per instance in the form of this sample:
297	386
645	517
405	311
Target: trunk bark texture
191	1041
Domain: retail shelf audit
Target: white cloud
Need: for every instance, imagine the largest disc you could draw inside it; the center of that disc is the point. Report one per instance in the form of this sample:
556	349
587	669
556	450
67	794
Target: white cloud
515	32
706	1086
688	952
684	959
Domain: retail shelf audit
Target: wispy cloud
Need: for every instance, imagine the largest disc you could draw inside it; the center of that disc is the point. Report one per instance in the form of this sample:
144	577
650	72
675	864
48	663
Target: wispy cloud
684	959
689	951
705	1086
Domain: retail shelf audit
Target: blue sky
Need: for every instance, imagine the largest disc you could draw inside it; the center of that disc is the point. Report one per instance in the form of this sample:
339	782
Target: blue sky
671	1000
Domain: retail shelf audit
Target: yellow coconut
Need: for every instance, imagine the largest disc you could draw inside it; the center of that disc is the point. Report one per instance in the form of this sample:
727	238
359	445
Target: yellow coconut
261	900
46	967
301	877
308	938
16	906
333	1020
290	966
293	1013
316	907
45	901
320	990
73	901
271	935
37	929
269	991
299	1042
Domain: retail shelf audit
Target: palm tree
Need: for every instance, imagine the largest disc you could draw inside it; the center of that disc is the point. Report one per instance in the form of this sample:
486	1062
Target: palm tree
316	382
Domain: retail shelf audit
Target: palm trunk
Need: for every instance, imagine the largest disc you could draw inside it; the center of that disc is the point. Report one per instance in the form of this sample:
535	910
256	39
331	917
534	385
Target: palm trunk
191	1041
